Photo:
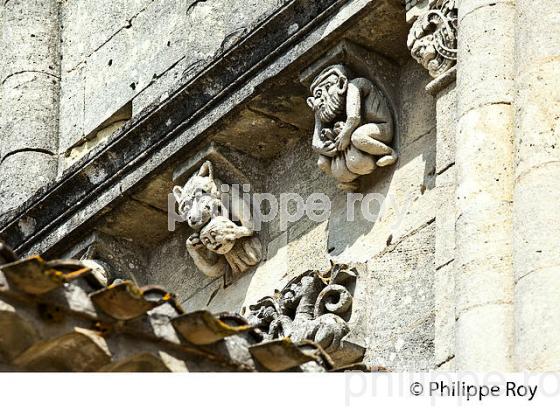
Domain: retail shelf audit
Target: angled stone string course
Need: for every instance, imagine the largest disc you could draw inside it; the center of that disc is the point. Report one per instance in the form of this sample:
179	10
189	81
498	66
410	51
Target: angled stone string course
432	40
314	306
353	126
223	240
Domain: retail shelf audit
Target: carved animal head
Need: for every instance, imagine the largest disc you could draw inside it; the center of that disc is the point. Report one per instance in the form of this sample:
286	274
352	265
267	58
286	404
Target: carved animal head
432	38
263	312
329	93
199	200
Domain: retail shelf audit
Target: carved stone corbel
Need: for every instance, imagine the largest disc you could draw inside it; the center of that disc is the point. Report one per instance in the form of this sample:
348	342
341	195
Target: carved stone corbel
223	241
354	122
314	306
432	39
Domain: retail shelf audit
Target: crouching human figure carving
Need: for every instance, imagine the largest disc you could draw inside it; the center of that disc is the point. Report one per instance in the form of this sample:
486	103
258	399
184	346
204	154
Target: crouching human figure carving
353	126
313	306
223	241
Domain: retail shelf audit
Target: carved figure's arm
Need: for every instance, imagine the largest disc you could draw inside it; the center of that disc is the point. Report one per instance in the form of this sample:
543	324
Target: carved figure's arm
209	263
318	145
241	211
353	112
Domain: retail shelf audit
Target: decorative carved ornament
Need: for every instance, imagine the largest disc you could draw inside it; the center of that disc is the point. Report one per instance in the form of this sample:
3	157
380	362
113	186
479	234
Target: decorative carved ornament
353	126
313	306
223	241
432	39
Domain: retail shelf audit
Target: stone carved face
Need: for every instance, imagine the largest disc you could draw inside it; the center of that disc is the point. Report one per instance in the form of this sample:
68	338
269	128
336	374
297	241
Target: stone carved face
218	235
432	40
329	93
424	51
199	198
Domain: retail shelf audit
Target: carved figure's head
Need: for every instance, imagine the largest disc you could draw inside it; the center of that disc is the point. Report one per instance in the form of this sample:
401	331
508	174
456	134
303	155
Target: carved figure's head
217	235
422	47
433	39
329	93
199	200
263	312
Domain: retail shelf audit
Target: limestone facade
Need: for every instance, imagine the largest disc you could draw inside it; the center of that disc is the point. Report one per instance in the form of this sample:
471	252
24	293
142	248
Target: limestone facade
195	145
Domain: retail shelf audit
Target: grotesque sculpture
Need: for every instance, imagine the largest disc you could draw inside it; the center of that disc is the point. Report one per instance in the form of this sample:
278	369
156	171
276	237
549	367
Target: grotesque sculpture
314	306
353	126
223	241
433	38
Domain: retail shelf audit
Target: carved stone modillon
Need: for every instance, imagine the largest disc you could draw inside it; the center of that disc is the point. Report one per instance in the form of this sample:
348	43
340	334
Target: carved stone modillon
432	40
353	125
223	241
313	306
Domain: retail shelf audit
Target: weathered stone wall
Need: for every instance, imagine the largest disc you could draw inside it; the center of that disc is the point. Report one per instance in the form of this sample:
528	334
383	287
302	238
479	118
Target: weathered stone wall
394	307
30	80
121	56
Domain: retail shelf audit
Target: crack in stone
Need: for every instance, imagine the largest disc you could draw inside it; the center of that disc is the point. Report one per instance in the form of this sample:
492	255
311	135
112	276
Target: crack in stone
127	26
447	360
17	151
193	5
29	71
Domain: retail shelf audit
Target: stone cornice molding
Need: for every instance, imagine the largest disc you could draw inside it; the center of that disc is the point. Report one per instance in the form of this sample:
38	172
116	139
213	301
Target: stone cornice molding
103	169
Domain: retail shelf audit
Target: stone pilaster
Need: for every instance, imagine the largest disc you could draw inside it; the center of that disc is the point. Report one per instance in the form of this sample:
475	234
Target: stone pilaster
484	162
30	85
537	186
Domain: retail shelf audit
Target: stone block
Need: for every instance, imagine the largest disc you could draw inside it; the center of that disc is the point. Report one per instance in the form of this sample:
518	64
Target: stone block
445	217
484	339
537	34
537	321
417	107
446	107
537	230
398	296
138	55
87	26
538	116
72	107
444	294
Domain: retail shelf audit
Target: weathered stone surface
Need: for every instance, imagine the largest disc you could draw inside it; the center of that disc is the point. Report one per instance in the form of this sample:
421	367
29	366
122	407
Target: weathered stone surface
86	29
444	295
537	326
136	222
417	108
486	72
260	135
17	185
537	138
398	296
29	113
445	218
31	26
484	337
446	107
72	108
138	54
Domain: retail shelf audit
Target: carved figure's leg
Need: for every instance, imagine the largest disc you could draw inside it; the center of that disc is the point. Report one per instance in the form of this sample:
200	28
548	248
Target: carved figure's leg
359	162
324	164
368	138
